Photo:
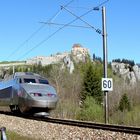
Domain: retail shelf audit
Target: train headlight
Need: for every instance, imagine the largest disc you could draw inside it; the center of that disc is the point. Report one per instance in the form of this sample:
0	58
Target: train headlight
32	94
36	94
50	95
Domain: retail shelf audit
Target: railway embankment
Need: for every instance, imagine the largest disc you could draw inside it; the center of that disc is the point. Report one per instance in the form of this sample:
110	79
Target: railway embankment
45	130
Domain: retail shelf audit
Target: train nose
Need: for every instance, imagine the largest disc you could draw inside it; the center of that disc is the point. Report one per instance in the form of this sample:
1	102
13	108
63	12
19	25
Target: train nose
39	90
40	94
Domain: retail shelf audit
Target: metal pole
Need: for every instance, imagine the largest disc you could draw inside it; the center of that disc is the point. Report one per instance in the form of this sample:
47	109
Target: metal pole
3	133
104	34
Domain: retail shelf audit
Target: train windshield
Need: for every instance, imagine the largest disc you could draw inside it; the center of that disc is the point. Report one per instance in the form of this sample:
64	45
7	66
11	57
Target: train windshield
27	80
43	81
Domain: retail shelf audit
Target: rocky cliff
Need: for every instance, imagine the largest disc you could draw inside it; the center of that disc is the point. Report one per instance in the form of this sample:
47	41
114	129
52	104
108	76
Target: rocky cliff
131	74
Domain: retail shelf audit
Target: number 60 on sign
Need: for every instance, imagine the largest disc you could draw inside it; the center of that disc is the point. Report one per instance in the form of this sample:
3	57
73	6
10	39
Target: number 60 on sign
107	84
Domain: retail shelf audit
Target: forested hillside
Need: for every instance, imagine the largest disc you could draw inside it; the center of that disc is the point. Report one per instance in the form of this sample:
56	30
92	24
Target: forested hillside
80	95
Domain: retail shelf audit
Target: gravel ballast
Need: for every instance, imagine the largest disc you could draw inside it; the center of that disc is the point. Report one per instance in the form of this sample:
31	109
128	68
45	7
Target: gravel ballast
49	131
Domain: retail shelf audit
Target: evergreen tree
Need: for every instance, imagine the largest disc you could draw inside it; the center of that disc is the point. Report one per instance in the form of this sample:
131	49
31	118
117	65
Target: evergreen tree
124	103
92	84
94	57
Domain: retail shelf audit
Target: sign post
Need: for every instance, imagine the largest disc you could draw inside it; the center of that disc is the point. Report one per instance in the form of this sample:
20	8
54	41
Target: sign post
104	34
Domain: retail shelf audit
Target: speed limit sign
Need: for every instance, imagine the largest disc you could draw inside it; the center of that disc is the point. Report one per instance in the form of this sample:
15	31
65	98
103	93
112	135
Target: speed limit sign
107	84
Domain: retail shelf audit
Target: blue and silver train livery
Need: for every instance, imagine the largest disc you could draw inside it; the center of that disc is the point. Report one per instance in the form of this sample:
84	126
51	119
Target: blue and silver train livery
27	93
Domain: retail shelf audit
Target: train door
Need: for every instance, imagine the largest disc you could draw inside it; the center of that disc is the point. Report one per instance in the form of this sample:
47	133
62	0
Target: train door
5	93
15	91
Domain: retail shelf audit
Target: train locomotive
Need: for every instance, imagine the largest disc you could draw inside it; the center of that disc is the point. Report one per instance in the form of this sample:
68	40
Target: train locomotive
27	92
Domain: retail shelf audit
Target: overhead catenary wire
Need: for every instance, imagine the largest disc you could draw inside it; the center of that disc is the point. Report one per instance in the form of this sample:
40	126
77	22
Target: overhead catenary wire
95	8
104	2
54	34
81	19
22	44
40	43
81	7
74	7
34	33
89	26
60	24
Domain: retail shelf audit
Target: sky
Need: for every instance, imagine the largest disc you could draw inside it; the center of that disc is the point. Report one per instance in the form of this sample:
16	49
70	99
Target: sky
24	33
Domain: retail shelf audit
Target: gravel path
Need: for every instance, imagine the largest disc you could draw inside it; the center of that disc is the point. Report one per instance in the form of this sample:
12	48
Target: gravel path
48	131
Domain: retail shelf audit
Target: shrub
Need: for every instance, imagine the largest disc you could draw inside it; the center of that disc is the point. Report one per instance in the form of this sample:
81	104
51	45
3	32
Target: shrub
127	118
124	103
91	111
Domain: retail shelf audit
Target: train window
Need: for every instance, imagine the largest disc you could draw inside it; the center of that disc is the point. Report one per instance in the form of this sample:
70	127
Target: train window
43	81
27	80
20	81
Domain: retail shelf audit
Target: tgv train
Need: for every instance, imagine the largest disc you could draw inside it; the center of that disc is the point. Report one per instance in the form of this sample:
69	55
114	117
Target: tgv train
27	93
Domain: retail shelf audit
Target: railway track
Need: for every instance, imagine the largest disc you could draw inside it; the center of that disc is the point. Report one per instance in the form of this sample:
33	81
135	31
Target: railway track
92	125
108	127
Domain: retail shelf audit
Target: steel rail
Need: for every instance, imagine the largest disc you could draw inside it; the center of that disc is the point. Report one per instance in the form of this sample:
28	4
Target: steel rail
84	124
108	127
